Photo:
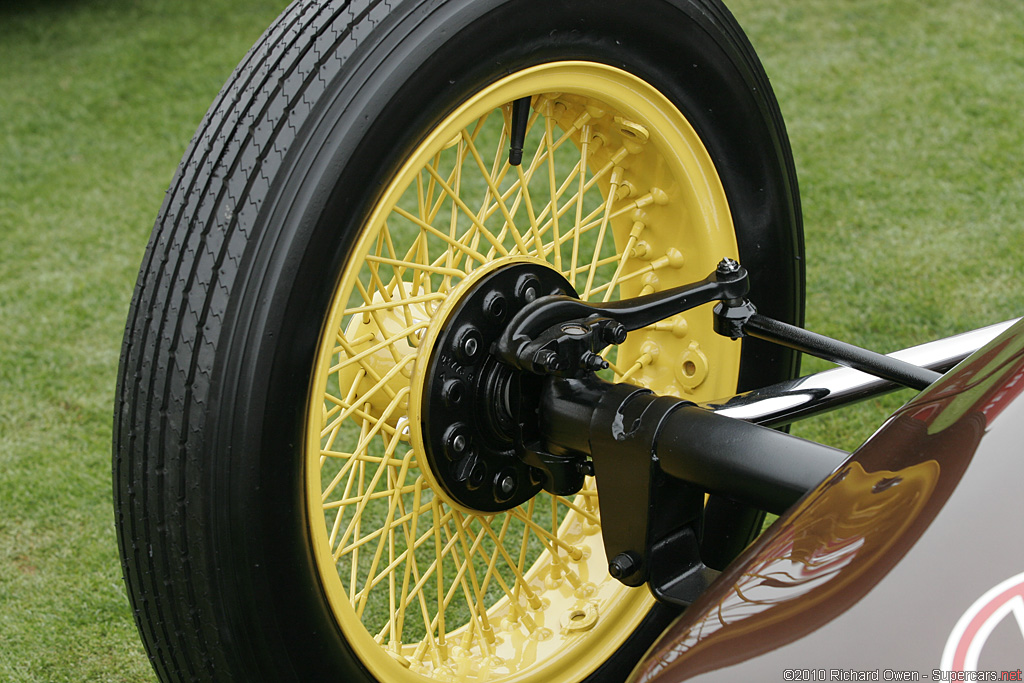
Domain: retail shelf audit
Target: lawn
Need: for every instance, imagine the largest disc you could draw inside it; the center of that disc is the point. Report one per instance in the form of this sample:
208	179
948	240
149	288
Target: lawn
905	123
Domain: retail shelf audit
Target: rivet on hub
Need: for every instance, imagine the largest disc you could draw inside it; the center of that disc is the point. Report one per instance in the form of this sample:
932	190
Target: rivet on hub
505	485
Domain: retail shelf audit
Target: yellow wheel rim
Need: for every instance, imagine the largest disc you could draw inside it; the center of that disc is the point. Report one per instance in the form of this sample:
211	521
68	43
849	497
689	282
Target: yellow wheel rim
617	192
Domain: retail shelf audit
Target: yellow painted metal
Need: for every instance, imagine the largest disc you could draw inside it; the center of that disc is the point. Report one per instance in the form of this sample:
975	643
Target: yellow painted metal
617	192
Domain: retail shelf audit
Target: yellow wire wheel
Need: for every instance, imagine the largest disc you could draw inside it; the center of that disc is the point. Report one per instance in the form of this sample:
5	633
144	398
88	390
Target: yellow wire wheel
277	518
617	193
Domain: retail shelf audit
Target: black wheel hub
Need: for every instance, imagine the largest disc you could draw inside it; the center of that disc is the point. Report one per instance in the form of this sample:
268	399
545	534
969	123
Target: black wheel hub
473	404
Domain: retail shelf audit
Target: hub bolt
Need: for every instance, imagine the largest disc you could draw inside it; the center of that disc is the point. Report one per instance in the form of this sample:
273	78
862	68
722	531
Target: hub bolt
508	484
468	343
456	443
528	288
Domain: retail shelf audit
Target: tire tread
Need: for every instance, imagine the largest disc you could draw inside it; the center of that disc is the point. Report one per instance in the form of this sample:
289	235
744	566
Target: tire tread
177	312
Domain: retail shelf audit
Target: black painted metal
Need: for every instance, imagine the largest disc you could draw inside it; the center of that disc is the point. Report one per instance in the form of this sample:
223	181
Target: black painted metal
551	335
479	415
512	406
763	467
650	521
520	119
654	457
898	371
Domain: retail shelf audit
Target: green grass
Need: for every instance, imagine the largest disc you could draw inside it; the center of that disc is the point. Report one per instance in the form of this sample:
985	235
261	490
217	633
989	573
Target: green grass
906	128
905	122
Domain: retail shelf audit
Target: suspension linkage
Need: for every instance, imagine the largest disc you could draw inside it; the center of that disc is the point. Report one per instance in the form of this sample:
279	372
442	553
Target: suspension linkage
562	336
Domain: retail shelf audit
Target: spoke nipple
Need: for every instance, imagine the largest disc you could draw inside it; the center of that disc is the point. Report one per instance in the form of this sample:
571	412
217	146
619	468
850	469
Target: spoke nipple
675	258
404	661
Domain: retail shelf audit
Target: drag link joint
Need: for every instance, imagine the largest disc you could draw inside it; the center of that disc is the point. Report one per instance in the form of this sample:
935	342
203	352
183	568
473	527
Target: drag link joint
561	335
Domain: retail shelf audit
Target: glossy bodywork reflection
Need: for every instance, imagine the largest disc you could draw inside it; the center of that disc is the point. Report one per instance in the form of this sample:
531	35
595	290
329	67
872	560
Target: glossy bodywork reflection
825	570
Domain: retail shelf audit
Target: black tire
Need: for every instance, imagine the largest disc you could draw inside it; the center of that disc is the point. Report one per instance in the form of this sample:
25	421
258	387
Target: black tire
230	303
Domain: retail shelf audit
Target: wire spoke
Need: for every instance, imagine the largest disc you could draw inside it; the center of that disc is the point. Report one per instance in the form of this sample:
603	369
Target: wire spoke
447	592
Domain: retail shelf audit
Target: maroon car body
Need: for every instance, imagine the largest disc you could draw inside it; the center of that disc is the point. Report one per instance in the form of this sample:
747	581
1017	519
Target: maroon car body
905	564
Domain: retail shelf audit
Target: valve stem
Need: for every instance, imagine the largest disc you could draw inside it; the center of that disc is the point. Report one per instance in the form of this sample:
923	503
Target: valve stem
517	136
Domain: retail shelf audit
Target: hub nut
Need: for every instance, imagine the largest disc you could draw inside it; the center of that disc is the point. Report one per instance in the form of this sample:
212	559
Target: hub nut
623	564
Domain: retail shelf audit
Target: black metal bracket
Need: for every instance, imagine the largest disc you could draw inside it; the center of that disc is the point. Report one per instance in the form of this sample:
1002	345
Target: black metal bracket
654	457
650	521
